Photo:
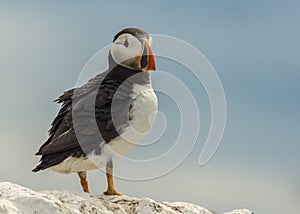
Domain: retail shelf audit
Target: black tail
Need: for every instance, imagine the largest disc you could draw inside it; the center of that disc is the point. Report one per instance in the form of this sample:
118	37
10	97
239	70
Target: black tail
36	169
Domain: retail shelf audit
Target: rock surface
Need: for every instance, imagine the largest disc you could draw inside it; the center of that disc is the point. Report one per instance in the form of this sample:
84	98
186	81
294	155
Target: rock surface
15	199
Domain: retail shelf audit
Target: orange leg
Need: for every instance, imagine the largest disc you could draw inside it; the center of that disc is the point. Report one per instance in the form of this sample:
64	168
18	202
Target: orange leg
83	181
110	180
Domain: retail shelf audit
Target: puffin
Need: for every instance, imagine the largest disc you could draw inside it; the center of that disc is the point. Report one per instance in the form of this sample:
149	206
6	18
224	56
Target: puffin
118	105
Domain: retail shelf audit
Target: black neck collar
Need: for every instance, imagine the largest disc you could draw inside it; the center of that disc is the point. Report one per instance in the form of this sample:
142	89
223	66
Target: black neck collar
121	73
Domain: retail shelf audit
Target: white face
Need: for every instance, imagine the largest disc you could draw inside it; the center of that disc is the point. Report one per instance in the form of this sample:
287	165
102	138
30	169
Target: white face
125	51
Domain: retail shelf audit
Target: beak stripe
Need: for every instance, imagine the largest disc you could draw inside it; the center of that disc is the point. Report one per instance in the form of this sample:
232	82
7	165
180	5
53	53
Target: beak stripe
144	60
151	62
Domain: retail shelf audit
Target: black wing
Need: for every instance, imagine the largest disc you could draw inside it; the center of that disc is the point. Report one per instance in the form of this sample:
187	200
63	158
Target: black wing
63	142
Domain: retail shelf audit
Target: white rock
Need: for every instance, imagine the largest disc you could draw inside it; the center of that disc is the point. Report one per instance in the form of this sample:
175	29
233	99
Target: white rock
241	211
15	199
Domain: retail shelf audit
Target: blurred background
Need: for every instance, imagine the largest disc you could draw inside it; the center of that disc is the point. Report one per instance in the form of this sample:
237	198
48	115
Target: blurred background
254	47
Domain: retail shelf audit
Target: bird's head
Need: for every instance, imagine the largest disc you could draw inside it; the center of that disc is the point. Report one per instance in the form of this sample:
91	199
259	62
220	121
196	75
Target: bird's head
131	48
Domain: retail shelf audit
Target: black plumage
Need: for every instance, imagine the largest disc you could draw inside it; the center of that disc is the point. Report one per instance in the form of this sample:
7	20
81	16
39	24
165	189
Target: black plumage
138	33
63	143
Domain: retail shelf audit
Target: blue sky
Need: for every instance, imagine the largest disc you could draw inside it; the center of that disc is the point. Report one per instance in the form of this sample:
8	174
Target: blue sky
254	48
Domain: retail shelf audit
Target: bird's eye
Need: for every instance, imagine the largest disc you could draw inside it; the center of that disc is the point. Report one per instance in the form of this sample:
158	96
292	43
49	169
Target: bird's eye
126	44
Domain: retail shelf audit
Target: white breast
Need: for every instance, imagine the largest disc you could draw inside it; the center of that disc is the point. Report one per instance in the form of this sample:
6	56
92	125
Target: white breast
143	112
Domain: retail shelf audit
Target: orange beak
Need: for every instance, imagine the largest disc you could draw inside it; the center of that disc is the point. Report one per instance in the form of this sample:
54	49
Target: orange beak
151	62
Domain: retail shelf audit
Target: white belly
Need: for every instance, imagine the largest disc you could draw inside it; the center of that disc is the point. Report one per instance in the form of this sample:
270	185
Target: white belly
143	111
